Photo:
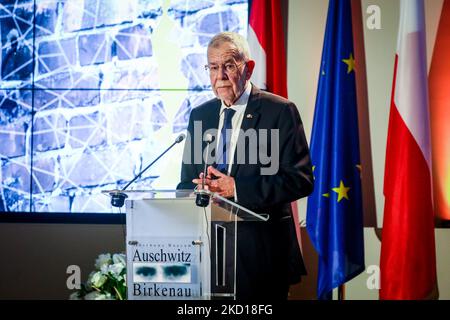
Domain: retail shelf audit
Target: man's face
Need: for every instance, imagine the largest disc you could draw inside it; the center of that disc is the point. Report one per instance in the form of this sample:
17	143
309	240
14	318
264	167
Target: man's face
228	73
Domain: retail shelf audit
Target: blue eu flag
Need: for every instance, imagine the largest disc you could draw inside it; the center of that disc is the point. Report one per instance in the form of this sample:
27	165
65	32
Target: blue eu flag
334	217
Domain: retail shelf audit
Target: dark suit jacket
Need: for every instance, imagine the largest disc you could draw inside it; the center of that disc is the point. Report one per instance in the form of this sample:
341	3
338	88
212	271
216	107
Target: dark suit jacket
269	258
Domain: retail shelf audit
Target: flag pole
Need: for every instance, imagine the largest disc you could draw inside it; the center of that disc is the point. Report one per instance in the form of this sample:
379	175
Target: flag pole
341	292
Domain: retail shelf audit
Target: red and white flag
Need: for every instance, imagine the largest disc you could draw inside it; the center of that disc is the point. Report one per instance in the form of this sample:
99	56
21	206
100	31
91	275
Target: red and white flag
408	258
266	40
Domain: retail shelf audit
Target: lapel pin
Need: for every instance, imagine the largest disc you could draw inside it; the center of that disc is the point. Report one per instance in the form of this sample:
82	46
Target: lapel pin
249	116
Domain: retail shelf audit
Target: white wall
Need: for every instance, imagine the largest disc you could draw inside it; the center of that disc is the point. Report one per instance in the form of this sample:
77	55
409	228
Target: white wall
306	26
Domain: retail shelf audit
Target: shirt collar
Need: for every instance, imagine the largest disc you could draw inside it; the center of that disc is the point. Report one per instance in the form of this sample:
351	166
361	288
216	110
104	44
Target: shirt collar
241	103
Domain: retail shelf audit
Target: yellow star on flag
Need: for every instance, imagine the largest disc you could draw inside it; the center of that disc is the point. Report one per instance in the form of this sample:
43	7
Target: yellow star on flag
326	195
350	62
341	191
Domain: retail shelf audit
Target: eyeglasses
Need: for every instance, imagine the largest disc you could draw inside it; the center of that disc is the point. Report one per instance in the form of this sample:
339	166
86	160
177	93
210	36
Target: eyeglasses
229	67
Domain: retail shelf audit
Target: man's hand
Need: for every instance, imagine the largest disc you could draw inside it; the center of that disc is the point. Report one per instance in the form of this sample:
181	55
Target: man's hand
217	182
199	182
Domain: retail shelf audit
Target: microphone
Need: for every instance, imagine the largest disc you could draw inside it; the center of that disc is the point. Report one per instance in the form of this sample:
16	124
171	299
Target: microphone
118	196
202	198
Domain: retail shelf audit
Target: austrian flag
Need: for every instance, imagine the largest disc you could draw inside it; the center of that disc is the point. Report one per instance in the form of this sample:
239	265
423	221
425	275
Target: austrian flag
266	40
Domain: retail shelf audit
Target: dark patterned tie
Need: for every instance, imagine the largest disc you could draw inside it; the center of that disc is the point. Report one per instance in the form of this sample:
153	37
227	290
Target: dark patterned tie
223	152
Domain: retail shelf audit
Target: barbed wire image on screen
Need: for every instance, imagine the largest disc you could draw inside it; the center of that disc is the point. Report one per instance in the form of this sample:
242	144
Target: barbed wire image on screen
91	91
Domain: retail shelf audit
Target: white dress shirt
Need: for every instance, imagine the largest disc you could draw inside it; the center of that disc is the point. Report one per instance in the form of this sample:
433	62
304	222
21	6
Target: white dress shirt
239	107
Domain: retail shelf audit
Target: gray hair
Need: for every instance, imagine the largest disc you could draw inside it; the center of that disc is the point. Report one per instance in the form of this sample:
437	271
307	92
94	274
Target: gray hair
234	38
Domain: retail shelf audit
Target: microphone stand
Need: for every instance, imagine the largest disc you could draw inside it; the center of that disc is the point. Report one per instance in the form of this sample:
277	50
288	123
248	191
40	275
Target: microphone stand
202	197
118	196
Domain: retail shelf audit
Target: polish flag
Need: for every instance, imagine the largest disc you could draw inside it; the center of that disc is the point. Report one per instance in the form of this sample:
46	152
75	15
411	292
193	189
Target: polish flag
408	258
439	82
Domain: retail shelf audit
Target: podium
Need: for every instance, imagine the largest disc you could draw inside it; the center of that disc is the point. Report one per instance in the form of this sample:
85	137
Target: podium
177	250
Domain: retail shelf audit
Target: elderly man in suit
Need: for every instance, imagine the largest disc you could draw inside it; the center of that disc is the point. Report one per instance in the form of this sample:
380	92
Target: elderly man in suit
268	257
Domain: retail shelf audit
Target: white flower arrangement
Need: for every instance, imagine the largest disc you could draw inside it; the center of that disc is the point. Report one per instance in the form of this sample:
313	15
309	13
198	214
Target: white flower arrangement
108	280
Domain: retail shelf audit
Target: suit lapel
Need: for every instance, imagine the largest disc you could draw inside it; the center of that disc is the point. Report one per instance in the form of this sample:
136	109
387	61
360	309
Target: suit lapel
250	121
212	120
